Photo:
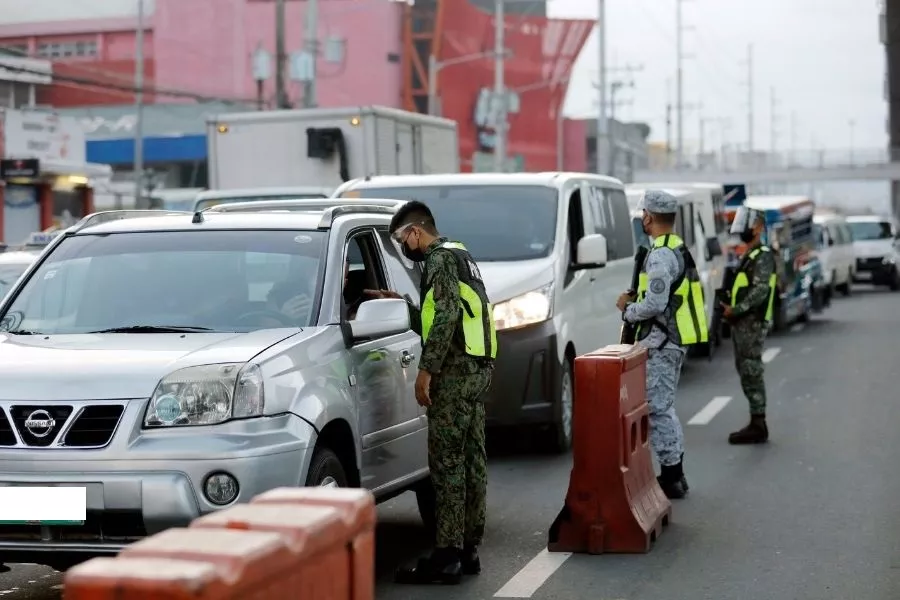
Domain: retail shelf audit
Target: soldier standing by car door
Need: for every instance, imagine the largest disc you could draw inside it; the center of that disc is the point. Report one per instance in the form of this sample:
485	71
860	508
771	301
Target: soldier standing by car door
459	343
669	314
750	313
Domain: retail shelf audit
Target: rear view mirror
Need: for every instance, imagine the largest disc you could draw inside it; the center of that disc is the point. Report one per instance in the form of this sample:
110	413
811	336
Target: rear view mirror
830	242
380	318
713	247
591	252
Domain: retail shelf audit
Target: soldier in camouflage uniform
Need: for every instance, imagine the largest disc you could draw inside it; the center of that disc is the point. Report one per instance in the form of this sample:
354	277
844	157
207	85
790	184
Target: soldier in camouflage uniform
454	372
658	332
749	315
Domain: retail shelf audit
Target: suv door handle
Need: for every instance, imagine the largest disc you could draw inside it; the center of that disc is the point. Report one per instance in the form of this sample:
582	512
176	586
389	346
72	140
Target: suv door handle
406	358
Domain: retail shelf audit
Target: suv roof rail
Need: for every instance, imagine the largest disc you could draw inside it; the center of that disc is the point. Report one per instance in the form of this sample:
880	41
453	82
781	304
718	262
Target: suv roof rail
117	215
330	214
299	204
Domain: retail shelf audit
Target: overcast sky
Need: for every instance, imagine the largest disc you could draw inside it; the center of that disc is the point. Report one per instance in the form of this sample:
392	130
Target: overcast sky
822	57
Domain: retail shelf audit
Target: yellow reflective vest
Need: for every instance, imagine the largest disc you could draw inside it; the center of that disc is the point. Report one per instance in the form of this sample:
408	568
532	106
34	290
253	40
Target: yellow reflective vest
479	332
742	282
685	298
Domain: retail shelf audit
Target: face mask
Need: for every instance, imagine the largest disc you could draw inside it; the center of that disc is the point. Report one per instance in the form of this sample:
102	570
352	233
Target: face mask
414	255
747	236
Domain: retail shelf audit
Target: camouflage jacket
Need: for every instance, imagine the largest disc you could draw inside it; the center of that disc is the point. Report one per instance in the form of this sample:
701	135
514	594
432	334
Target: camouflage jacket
758	272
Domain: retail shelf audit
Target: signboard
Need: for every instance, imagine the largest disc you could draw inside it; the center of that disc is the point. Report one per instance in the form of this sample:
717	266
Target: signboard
27	168
43	135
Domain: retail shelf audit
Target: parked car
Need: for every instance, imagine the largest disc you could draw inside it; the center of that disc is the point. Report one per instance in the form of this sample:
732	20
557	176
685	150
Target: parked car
555	251
875	244
150	359
834	247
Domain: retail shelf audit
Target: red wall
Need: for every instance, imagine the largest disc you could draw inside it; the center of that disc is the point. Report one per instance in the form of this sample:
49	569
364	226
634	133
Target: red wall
120	72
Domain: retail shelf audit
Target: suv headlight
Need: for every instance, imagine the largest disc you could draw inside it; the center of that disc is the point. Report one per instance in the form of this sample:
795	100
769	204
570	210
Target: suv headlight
890	259
527	309
206	395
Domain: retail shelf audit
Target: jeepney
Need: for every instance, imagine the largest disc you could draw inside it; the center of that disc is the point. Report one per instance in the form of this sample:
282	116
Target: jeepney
801	288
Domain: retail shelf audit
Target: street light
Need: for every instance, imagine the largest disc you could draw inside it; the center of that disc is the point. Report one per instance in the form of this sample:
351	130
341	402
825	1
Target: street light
435	66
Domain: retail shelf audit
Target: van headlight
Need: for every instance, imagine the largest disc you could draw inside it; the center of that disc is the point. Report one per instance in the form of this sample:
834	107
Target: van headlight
527	309
206	395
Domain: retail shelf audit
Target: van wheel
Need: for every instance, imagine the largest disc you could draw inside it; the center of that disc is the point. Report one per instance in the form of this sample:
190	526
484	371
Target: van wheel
326	470
427	503
560	435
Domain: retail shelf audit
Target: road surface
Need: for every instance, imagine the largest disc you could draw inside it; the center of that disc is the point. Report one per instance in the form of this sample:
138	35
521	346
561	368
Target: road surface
813	515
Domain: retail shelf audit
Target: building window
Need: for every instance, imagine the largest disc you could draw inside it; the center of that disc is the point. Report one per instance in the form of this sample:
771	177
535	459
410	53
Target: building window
14	50
67	49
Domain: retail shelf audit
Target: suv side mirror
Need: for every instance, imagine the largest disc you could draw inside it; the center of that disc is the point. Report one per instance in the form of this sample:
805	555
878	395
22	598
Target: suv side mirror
713	247
591	252
380	318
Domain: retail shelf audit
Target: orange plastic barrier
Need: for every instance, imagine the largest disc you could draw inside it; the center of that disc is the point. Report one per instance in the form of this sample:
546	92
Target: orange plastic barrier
316	543
614	502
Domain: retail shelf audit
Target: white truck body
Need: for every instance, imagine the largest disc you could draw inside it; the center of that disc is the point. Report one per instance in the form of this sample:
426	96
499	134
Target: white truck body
270	148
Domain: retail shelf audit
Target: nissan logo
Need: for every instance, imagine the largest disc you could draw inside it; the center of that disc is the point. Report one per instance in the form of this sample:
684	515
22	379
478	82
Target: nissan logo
40	423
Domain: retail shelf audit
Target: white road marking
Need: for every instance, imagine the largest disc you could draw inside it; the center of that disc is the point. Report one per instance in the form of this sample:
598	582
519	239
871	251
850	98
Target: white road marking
797	327
533	575
709	412
769	354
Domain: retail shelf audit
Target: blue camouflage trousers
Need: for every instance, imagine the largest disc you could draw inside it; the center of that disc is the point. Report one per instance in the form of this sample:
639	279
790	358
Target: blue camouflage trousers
663	373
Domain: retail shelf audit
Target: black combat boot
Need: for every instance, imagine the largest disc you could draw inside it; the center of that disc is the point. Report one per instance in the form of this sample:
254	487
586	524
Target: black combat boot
471	563
671	480
757	432
443	567
684	482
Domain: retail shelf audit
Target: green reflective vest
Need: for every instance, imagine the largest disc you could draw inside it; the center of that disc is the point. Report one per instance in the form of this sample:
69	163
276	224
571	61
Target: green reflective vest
479	333
685	297
742	282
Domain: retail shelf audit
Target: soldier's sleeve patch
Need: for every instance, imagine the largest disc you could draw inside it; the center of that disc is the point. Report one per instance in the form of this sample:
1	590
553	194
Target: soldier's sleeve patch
657	286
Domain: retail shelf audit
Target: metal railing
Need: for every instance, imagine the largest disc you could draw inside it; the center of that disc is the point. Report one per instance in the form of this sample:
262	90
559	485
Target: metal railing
730	160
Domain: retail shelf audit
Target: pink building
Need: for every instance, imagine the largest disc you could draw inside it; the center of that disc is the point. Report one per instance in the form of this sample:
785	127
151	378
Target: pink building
204	47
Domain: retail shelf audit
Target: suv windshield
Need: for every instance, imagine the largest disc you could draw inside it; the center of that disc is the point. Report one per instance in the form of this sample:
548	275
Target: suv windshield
870	230
222	281
495	222
209	203
9	274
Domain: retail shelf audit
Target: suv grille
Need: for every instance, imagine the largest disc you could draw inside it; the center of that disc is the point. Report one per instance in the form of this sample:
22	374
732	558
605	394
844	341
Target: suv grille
94	426
7	437
39	425
112	527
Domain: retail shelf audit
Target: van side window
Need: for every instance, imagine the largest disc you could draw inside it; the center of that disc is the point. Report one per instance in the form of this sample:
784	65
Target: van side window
576	225
685	224
620	234
718	206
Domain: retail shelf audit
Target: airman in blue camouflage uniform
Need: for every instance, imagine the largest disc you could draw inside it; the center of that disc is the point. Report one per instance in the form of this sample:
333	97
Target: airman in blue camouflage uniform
658	332
459	346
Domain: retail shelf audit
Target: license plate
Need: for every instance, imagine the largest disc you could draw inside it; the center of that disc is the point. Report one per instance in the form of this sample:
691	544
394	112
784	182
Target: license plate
47	505
863	275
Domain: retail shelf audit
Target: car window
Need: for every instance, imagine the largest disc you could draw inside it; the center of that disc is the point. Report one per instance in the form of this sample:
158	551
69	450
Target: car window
718	202
870	230
685	224
365	270
405	274
495	222
621	219
9	274
230	281
819	235
845	233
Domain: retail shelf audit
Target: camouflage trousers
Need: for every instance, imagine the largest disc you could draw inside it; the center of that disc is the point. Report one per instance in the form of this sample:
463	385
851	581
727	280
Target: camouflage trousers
666	435
748	336
457	457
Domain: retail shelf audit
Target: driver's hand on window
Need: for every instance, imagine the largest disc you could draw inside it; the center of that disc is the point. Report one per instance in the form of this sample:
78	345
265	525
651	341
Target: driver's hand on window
382	294
298	306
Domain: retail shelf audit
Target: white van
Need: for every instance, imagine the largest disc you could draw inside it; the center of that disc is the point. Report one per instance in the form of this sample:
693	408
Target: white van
834	243
688	225
555	251
875	243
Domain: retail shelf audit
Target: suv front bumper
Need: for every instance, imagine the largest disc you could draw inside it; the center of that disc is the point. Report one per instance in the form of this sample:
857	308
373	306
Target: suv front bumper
152	481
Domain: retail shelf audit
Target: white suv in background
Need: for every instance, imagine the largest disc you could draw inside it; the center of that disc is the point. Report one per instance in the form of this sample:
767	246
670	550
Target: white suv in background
835	249
875	243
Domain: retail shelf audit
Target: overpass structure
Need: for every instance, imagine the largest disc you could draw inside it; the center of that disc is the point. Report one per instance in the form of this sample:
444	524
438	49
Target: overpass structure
871	165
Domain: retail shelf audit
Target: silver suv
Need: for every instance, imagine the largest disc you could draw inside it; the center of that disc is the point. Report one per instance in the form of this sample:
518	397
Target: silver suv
173	364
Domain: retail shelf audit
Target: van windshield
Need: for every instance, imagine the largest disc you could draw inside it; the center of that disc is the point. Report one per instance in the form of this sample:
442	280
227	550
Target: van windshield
495	222
817	234
870	230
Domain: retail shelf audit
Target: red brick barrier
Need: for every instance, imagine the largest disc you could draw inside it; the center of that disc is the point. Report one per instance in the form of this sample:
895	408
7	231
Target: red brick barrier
614	502
310	543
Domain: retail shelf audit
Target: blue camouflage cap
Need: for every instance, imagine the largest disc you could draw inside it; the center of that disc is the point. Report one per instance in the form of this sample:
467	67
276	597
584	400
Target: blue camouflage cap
660	202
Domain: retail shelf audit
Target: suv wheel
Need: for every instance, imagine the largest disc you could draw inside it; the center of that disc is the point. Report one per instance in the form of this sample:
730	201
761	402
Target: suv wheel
846	288
427	502
894	283
326	470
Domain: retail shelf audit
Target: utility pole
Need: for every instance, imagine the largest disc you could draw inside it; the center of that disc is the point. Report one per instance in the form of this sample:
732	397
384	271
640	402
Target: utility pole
668	123
603	113
793	147
312	49
614	87
773	123
749	64
680	57
500	85
281	98
139	110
